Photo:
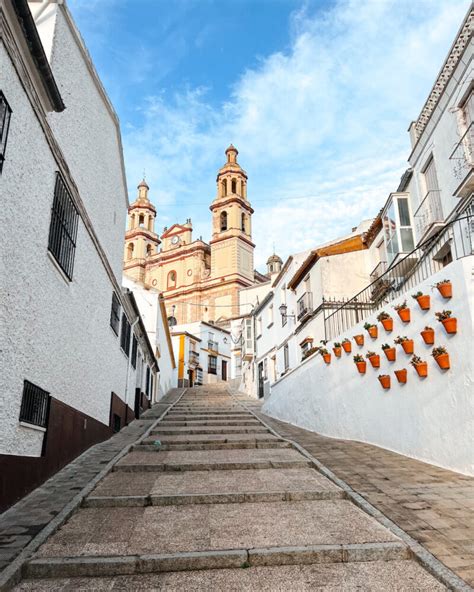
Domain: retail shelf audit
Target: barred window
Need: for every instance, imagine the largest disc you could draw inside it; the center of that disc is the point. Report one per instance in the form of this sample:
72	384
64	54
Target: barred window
125	335
5	114
134	352
115	314
34	405
212	365
63	228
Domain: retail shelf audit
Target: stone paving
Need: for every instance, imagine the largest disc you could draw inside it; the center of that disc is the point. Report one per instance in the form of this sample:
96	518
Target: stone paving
233	519
433	505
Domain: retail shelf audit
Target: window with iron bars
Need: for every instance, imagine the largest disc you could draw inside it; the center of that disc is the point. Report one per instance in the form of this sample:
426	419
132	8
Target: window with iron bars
34	405
125	335
63	228
115	314
212	367
5	115
134	352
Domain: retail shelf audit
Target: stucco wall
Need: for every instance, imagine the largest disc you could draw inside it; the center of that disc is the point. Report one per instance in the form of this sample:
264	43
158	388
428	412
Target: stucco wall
429	419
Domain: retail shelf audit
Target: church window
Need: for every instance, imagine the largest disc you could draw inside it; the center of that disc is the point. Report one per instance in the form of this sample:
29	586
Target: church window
223	221
148	250
224	187
141	220
5	114
234	186
130	251
171	279
132	221
243	222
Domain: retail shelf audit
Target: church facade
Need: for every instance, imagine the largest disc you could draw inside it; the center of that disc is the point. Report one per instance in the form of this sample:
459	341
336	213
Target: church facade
198	280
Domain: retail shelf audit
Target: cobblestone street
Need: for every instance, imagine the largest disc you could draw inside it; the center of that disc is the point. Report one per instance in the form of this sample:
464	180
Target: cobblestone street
210	499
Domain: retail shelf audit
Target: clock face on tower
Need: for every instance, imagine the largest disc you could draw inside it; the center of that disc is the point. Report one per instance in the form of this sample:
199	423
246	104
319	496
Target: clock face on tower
175	240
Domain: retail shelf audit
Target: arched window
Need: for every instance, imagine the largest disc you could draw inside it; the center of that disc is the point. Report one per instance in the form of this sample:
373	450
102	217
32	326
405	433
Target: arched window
234	186
171	279
148	250
141	220
223	221
130	251
243	222
224	187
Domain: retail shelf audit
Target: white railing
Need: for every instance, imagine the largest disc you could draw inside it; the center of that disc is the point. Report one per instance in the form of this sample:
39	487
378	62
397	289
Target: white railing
429	212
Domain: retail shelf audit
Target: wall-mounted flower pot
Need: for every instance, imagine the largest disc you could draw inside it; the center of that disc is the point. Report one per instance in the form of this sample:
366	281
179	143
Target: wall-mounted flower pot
391	354
446	290
408	346
375	361
450	324
359	339
385	381
424	302
428	336
337	351
361	366
347	346
373	331
422	369
401	375
443	361
404	314
327	358
387	325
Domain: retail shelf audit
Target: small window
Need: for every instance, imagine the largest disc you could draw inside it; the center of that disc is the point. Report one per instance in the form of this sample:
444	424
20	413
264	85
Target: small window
63	228
148	250
115	314
147	383
223	219
224	188
234	186
5	115
286	357
133	360
171	279
125	335
212	365
141	221
242	223
34	405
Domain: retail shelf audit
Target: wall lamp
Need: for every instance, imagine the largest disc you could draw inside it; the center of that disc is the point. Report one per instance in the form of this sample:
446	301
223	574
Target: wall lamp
283	310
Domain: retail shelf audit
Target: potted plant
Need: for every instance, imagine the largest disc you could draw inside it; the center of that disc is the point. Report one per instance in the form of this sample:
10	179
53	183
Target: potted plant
359	339
346	345
407	344
445	288
420	366
337	349
373	358
360	363
386	321
326	355
403	311
428	335
310	352
390	352
440	354
372	330
401	375
450	323
323	342
422	299
384	381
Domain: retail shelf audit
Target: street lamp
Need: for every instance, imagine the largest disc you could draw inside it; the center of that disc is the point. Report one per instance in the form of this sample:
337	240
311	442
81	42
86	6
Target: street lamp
283	310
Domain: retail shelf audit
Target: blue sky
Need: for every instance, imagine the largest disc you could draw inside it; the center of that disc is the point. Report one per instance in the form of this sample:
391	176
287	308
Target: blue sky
317	96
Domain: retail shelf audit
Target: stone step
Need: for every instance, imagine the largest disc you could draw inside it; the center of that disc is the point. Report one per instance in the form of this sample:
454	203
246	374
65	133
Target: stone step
211	446
210	422
175	431
369	576
212	438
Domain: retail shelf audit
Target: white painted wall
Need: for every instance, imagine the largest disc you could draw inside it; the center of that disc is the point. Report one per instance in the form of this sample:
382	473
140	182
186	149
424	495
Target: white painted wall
431	420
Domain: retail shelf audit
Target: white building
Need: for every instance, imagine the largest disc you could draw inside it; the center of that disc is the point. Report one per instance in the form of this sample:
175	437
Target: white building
67	378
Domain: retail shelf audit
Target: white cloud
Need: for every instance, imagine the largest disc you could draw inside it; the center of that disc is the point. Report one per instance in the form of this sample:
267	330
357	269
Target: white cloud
325	121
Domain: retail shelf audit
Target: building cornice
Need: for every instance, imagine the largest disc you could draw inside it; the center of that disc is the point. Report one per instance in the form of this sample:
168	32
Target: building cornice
239	236
221	202
134	232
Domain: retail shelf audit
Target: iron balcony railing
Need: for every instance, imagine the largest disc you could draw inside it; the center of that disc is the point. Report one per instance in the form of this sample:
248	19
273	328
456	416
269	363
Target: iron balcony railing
194	358
378	270
428	213
213	345
462	156
304	306
454	240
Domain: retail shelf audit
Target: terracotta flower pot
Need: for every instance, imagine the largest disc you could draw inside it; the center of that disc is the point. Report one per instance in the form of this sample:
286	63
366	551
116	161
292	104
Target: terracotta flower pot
361	366
451	325
337	351
391	354
385	381
327	358
387	325
428	336
359	339
347	347
375	361
408	346
424	302
404	314
401	375
446	290
422	369
443	361
373	332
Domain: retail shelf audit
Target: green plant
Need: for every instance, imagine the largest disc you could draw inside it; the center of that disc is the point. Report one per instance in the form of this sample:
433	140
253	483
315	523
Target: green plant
323	352
358	358
417	295
324	341
383	376
438	351
427	328
416	360
401	306
383	315
400	340
386	346
337	344
345	340
442	282
367	326
369	354
443	315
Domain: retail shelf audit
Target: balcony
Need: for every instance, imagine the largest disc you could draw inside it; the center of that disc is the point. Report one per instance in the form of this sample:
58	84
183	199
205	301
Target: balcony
213	346
304	306
194	358
378	270
429	215
462	158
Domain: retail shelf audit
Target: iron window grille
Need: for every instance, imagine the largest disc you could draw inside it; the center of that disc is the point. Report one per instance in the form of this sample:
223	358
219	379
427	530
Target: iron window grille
134	352
125	335
115	314
212	367
34	405
5	115
63	228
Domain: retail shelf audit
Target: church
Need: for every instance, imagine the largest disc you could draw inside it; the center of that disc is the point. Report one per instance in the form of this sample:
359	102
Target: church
199	281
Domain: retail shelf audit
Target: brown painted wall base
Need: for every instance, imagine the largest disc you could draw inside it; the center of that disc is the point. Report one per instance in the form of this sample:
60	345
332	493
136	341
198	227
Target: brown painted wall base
69	433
